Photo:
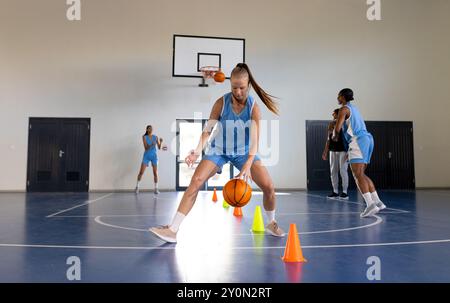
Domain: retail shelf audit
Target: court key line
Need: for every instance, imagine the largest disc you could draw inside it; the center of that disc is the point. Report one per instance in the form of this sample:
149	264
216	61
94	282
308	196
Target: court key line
377	221
76	206
172	247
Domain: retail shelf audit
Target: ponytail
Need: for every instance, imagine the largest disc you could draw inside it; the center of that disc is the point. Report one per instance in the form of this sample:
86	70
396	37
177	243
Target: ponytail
267	99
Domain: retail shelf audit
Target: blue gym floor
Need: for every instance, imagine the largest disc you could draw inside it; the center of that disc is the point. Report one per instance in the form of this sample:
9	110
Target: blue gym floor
107	231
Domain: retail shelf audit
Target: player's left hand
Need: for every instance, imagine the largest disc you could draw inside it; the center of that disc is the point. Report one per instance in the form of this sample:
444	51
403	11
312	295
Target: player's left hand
245	173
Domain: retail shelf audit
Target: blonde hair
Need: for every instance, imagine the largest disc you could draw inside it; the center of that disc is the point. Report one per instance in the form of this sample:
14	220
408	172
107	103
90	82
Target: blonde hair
267	99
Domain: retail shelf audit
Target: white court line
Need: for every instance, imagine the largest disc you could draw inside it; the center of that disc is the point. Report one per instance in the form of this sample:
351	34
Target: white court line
306	194
335	213
280	214
173	247
377	221
97	219
76	206
260	193
94	216
352	202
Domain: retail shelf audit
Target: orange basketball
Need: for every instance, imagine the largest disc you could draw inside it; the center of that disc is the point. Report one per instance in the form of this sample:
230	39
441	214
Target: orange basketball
237	192
219	77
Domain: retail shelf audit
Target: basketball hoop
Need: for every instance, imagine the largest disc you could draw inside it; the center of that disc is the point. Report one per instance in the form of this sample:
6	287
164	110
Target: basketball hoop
208	72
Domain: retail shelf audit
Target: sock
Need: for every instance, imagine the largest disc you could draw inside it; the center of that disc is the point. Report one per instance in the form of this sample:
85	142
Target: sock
138	183
335	191
177	219
270	215
344	191
368	199
156	185
375	197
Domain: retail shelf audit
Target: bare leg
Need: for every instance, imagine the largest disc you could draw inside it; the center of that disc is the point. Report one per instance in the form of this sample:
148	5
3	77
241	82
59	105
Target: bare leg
141	171
155	173
373	192
360	177
369	181
205	170
363	183
155	178
139	177
262	178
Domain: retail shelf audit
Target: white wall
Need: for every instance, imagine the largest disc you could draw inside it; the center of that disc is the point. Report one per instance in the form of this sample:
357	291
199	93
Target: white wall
115	67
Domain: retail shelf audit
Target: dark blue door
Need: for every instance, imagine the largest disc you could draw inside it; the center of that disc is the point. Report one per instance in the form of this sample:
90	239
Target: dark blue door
58	154
391	165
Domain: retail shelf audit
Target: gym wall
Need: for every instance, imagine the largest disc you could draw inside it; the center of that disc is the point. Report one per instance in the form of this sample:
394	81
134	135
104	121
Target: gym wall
115	66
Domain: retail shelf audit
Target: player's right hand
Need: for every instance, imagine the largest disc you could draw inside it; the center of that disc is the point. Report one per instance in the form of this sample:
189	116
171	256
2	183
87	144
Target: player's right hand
191	158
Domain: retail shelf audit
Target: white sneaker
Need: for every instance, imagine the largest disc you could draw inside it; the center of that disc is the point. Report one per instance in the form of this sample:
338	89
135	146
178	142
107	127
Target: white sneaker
164	233
370	210
380	205
156	191
275	230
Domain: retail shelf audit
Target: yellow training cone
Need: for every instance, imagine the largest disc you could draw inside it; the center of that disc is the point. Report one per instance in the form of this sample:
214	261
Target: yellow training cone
258	222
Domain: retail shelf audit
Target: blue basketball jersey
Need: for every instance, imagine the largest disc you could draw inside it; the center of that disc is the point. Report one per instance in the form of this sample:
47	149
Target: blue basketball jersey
354	126
149	141
232	133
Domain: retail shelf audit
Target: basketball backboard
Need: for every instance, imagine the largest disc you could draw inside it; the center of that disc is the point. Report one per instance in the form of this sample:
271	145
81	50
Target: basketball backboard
190	53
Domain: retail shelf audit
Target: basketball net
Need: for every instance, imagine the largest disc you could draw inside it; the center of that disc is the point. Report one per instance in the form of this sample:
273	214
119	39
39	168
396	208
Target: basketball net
208	73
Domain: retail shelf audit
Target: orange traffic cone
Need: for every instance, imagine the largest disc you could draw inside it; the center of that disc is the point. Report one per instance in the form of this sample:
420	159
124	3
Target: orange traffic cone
237	212
214	198
293	251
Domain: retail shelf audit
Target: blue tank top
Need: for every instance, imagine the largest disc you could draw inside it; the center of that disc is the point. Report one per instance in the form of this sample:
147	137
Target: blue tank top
231	135
354	126
152	150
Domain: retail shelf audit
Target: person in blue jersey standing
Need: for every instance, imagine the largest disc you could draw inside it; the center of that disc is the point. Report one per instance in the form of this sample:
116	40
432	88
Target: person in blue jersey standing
360	144
151	142
237	117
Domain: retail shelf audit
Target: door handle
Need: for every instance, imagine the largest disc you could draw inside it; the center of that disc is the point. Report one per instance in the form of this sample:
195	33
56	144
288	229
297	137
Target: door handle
61	153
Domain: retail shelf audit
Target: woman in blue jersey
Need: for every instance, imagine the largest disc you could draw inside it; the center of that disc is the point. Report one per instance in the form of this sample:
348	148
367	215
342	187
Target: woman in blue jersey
237	117
359	143
150	142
